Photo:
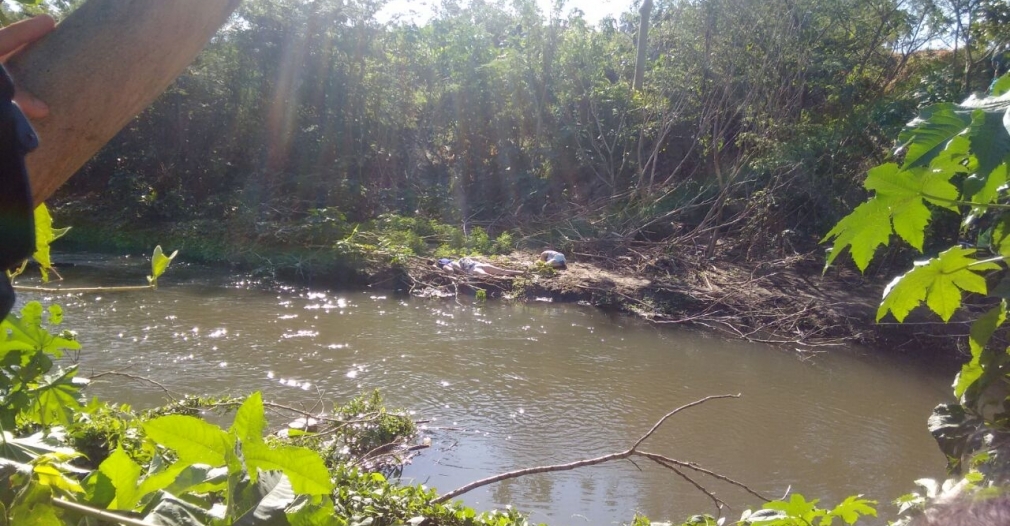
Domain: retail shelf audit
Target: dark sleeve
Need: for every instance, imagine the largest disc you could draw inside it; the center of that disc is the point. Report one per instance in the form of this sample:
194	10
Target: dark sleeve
17	219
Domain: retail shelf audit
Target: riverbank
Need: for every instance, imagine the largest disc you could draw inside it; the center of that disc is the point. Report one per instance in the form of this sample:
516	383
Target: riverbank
783	299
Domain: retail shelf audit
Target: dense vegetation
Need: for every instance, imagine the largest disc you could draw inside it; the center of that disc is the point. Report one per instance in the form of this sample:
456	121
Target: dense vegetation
302	120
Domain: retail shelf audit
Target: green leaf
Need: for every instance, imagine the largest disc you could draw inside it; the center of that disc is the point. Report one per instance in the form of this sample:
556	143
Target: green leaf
98	489
27	449
307	512
797	508
174	511
904	191
866	228
263	503
249	420
981	331
897	186
969	374
175	479
159	263
938	281
1001	236
192	439
44	236
985	326
990	144
1001	86
55	399
928	134
199	478
26	330
124	473
55	314
303	467
851	509
180	478
33	507
899	206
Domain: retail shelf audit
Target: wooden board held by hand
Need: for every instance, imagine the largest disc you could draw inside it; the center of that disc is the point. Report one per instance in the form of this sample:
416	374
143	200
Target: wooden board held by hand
100	68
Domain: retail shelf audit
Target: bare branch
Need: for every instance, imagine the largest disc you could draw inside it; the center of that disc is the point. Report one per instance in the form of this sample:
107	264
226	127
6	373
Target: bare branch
675	411
167	391
598	460
699	469
531	471
719	504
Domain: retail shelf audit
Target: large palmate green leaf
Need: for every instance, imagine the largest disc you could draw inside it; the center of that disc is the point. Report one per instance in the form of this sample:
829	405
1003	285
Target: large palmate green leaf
193	440
55	399
797	508
25	332
899	206
929	133
862	231
939	282
906	192
850	510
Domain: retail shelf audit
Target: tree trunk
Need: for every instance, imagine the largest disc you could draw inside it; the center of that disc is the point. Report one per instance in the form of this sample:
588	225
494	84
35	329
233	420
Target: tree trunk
643	44
100	68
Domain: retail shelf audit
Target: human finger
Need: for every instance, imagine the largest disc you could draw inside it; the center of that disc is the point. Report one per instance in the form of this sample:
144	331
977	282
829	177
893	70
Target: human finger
32	107
20	33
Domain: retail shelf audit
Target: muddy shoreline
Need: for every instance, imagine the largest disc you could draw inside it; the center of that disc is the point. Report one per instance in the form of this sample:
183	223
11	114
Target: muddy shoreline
784	302
784	299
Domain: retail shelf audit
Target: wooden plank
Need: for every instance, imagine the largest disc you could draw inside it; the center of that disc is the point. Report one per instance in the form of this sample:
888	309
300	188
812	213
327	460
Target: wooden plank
100	68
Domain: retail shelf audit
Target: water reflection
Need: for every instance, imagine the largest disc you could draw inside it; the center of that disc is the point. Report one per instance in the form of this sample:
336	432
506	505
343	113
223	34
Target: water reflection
508	386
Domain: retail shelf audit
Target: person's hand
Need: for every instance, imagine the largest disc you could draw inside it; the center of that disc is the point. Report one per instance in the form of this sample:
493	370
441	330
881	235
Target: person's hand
12	39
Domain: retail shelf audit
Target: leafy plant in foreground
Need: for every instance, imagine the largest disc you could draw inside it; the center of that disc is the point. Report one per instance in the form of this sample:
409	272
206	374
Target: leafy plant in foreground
956	163
797	511
239	474
31	392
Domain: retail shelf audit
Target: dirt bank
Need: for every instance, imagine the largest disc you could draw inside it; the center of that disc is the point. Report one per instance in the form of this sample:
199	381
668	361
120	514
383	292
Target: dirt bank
784	301
780	299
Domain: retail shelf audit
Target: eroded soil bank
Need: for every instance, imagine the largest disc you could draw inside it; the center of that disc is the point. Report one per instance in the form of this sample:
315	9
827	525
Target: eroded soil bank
786	301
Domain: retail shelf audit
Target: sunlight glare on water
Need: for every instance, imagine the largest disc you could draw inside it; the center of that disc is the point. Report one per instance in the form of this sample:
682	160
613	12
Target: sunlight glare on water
507	386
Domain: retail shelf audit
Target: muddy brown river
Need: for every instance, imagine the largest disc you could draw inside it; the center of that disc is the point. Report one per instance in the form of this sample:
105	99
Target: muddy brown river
508	386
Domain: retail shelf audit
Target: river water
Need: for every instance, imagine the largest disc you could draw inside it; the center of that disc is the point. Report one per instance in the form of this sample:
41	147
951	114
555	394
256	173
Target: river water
508	386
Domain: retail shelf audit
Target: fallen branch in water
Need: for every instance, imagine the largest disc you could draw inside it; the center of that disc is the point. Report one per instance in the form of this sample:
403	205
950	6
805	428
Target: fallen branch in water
57	290
669	463
167	391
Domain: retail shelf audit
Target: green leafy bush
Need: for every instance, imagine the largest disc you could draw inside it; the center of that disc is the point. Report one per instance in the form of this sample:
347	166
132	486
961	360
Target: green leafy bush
956	164
33	392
